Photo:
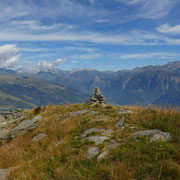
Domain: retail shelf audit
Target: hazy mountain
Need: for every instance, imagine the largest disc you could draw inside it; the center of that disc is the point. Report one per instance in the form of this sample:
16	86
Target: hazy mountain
146	85
27	92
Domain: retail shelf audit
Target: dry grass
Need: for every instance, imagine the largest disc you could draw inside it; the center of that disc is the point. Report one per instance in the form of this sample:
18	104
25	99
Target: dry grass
67	161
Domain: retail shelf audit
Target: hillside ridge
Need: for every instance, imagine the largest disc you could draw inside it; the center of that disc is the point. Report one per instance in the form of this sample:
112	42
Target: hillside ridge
82	141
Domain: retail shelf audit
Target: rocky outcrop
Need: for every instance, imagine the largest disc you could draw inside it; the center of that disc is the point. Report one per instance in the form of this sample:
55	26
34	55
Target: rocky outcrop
24	126
97	97
14	114
154	135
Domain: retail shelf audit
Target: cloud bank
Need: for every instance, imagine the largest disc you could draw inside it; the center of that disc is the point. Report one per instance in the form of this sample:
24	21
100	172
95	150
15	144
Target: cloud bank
9	56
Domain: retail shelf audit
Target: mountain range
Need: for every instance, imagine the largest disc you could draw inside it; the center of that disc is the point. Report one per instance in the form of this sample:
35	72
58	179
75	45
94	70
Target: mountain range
158	85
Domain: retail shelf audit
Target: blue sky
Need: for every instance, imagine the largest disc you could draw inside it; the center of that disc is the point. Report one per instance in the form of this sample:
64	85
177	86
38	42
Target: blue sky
98	34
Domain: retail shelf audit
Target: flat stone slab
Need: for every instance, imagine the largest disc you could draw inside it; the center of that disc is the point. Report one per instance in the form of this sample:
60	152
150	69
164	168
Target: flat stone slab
154	135
60	142
24	126
89	131
124	111
107	132
92	151
93	112
120	123
78	112
100	118
112	144
103	132
97	139
38	137
4	173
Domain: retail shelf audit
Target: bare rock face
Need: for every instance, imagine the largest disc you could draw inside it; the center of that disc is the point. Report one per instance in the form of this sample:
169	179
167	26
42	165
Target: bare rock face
25	126
97	97
154	135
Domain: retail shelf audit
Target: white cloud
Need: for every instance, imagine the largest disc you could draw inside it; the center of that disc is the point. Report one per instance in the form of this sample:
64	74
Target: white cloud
161	55
43	65
29	67
80	48
13	9
37	26
102	20
165	28
87	56
75	61
9	56
129	38
152	9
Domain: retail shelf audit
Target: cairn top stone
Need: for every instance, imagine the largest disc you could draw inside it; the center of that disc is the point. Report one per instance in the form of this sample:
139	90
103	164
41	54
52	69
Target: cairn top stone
97	97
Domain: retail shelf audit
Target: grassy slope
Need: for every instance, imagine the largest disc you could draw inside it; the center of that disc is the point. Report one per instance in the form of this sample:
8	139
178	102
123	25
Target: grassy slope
30	92
132	160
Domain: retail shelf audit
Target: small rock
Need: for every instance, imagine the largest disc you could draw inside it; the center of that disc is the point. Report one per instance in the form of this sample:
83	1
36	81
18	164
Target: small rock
100	118
124	111
104	132
38	137
72	114
92	151
89	131
133	127
107	132
93	112
97	139
4	173
60	142
104	154
154	135
120	124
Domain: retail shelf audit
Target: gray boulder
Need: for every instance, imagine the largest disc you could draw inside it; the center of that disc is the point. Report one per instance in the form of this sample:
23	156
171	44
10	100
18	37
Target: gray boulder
154	135
25	126
120	124
97	139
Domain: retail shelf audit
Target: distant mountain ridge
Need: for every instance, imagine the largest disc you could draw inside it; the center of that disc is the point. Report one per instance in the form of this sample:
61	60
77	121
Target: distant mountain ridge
28	92
143	85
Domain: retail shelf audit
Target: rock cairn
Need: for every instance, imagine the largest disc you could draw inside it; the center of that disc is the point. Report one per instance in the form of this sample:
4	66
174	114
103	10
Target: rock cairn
97	97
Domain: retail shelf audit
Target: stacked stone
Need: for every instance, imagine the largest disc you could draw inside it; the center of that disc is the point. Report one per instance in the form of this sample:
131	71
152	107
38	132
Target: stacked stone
97	97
